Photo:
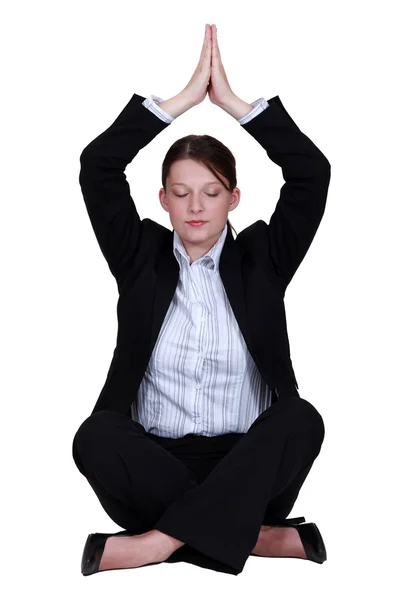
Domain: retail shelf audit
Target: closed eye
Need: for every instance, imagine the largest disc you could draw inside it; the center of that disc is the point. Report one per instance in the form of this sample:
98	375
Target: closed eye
183	195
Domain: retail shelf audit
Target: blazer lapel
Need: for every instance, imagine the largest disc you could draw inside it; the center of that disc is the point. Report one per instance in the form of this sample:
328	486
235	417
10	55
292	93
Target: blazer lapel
230	268
167	273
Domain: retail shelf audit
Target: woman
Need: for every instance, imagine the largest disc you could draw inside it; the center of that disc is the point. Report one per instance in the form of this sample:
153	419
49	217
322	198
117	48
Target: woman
199	441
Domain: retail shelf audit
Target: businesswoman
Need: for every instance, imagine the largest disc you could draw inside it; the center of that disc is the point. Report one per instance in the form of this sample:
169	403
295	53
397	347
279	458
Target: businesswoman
199	442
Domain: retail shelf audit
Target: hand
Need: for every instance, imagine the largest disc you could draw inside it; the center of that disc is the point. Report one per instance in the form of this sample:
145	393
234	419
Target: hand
196	89
219	90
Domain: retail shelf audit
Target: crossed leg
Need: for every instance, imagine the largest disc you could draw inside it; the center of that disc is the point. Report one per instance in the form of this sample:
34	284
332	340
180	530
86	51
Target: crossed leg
134	500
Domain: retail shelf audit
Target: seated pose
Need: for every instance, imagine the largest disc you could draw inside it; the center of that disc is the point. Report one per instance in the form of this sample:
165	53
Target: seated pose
199	442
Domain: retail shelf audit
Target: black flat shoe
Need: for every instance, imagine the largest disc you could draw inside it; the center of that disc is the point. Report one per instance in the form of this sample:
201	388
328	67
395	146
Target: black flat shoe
93	551
310	536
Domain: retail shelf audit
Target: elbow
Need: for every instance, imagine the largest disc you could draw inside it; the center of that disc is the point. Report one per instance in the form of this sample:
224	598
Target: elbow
88	156
324	171
89	151
84	154
325	166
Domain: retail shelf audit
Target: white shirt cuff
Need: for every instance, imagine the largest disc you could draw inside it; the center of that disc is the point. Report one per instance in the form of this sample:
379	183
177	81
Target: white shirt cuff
151	103
259	105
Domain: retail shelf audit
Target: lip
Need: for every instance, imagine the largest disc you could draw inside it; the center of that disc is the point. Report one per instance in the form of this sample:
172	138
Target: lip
196	223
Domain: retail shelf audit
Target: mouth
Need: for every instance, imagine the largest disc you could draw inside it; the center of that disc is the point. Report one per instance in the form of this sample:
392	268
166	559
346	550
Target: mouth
196	223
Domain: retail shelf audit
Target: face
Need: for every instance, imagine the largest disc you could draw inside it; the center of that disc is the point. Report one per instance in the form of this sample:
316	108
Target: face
194	194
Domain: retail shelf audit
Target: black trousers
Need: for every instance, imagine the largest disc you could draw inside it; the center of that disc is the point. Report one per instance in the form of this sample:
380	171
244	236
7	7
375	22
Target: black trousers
213	493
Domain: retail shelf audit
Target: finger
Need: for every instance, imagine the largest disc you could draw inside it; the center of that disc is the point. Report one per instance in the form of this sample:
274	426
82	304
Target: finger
215	48
208	43
204	46
206	50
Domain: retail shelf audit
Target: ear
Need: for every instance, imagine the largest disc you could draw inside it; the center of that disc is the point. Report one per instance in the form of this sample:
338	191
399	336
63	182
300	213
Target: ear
163	199
235	199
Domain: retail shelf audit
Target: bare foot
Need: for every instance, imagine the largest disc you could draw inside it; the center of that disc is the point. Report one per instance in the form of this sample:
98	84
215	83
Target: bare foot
130	551
279	541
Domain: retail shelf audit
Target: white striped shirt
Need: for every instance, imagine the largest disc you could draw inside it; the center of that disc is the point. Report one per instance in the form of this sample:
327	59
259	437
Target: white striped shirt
201	378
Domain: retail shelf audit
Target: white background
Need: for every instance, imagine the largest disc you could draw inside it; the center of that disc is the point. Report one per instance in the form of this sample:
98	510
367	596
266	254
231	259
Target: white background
68	69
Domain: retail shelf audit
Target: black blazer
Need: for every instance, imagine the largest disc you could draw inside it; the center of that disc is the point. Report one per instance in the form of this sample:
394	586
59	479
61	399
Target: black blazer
255	268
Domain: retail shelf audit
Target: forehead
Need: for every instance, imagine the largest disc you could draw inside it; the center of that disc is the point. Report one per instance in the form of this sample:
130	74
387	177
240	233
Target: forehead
190	172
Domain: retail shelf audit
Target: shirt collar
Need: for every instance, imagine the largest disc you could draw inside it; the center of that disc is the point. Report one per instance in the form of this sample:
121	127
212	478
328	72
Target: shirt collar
210	260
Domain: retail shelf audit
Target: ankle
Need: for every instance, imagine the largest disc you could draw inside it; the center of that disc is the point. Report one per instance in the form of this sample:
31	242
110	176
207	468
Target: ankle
279	541
166	541
272	541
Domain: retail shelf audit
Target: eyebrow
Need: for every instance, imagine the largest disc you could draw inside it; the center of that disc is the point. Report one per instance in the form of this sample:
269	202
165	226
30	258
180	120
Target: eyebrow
206	183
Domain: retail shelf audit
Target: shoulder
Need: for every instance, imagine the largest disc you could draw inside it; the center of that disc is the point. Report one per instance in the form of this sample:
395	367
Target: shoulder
250	237
155	233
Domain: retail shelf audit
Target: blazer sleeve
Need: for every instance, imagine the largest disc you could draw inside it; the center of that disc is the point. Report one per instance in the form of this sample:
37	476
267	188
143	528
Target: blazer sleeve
283	243
105	190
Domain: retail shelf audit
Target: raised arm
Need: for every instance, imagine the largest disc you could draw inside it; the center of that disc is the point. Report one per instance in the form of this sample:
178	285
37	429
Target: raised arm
105	190
283	243
301	204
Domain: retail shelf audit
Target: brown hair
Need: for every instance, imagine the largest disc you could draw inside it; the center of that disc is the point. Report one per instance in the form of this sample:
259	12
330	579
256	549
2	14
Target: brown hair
208	150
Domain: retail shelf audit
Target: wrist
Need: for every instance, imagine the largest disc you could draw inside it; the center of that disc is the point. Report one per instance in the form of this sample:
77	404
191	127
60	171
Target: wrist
176	105
236	107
